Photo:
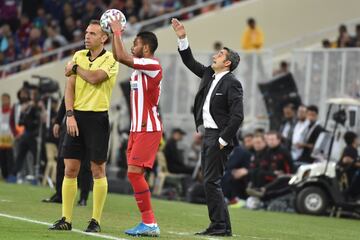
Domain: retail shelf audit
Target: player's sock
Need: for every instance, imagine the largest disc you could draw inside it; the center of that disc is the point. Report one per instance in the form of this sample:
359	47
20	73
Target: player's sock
69	190
143	197
99	196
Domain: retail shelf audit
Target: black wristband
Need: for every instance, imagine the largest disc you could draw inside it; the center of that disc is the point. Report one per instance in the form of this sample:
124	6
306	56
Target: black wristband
74	68
69	113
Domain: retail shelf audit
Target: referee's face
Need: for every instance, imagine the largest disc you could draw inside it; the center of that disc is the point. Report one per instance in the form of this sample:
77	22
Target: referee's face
94	37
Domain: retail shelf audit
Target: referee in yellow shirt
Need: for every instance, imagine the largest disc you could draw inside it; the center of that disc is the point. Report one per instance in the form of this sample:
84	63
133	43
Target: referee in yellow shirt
91	78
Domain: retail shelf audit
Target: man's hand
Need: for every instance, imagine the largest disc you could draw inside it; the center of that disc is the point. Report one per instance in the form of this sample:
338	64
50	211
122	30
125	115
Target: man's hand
221	146
71	125
115	24
68	69
56	129
178	28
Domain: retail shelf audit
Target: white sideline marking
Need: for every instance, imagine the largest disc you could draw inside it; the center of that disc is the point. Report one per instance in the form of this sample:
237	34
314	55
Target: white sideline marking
49	224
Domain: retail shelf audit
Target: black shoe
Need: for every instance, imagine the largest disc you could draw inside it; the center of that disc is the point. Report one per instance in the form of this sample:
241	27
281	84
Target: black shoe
82	203
215	232
53	199
61	225
93	226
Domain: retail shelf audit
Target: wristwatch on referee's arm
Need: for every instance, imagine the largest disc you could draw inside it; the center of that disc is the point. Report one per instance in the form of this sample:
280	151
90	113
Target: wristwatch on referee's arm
74	68
69	113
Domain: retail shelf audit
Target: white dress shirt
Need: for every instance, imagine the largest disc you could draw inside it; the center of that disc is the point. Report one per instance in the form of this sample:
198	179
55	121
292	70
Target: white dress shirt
299	134
207	118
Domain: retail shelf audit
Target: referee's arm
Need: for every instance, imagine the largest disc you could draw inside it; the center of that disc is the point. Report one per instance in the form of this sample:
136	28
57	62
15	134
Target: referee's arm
92	76
71	123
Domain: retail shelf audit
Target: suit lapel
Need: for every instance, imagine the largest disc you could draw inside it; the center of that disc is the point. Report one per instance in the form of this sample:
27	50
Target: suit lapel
217	86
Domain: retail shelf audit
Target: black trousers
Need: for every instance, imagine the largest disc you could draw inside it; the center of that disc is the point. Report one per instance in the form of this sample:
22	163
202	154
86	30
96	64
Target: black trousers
27	142
6	161
213	165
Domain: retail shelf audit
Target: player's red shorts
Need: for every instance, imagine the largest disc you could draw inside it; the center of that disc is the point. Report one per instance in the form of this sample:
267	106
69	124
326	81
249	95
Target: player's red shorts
142	148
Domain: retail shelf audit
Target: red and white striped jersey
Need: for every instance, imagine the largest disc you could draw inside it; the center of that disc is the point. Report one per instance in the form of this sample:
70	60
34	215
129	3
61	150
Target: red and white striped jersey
145	95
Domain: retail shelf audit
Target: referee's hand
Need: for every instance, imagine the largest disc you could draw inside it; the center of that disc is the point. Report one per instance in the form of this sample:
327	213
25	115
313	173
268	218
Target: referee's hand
72	127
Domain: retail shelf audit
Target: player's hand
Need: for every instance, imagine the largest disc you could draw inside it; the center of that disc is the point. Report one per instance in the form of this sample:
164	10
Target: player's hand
221	146
72	127
115	24
56	130
178	28
68	69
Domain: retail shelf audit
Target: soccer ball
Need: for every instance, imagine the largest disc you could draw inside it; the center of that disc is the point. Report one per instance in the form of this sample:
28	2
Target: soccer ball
107	16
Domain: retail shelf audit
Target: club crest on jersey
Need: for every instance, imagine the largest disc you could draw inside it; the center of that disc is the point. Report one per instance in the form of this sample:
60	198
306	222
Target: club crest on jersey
134	85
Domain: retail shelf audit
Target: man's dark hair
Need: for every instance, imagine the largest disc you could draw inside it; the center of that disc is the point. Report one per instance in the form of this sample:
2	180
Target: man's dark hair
94	21
251	21
349	137
150	39
97	22
277	134
313	108
5	95
233	57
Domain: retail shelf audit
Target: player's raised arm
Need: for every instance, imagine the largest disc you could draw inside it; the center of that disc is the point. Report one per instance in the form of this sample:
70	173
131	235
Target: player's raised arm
118	48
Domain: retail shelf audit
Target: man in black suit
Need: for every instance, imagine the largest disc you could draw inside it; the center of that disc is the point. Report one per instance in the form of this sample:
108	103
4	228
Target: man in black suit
218	108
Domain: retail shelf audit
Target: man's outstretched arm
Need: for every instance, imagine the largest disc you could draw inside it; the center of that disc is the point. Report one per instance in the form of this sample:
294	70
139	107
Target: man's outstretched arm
184	49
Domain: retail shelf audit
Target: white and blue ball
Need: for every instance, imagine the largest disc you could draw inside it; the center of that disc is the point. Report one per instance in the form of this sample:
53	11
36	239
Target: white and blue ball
108	16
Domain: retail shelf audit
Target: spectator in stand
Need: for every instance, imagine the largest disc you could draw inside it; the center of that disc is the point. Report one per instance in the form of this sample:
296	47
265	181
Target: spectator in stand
326	43
260	163
92	11
253	37
351	165
344	39
40	20
68	29
6	137
287	126
53	35
299	133
235	180
217	46
280	157
131	9
9	13
23	31
283	69
149	10
281	169
132	26
174	156
356	38
312	133
171	6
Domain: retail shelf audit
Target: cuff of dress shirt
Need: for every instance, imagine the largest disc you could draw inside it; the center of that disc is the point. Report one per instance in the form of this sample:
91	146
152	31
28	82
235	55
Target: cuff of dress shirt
183	44
222	142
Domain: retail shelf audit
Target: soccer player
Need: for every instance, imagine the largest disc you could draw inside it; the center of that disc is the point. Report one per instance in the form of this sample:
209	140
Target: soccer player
146	127
91	78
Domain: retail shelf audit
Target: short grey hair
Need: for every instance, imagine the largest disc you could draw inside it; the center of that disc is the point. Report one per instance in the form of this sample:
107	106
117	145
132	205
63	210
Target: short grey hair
233	57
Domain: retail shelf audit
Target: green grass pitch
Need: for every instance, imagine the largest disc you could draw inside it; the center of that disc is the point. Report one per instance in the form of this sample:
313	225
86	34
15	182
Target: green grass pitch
177	220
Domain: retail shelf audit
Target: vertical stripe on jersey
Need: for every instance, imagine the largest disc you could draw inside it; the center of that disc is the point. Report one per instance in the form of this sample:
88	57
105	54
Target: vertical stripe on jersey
157	121
140	103
149	127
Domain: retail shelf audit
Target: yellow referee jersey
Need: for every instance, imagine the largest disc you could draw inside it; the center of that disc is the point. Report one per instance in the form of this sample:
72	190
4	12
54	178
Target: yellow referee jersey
89	97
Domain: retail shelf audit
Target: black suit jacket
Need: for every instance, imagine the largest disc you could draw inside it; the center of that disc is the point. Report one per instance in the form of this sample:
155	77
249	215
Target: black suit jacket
226	103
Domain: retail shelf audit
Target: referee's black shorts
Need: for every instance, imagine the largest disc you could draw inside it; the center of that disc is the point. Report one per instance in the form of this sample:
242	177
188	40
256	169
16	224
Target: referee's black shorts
93	139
